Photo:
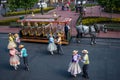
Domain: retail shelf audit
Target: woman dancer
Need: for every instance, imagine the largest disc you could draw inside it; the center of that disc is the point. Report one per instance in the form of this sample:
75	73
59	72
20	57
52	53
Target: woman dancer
14	59
74	67
51	46
11	41
17	39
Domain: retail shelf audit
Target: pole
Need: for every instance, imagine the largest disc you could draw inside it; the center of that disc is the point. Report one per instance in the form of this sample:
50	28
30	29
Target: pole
81	10
41	6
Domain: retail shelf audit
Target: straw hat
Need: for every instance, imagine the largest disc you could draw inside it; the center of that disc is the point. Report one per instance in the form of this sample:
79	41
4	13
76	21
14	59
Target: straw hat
59	34
28	24
16	35
21	46
85	51
75	51
36	24
22	24
10	34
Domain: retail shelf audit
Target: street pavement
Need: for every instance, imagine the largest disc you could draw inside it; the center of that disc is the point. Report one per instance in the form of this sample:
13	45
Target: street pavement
104	57
104	61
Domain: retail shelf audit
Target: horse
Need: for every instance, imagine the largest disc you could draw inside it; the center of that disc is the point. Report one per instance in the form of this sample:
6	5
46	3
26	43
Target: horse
87	30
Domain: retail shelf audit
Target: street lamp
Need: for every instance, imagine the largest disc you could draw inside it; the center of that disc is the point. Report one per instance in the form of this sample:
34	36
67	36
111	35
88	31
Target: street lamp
41	7
4	5
81	9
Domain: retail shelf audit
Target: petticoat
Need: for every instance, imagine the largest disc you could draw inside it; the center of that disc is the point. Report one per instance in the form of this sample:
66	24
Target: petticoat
52	47
74	68
14	60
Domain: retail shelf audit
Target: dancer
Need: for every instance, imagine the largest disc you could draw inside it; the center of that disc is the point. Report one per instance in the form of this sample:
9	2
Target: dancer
74	67
24	55
17	39
59	43
14	59
11	41
86	62
51	46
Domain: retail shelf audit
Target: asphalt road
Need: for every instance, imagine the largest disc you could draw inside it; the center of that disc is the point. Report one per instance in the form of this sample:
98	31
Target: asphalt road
104	61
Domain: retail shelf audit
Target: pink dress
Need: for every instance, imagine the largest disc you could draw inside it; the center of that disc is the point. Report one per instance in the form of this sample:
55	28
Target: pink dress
14	59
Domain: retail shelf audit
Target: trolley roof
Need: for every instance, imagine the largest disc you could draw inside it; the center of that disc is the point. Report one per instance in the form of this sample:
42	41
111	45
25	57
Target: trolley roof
46	18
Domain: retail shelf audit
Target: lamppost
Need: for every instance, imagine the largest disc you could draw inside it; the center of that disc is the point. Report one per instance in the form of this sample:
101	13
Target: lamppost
80	8
41	7
4	6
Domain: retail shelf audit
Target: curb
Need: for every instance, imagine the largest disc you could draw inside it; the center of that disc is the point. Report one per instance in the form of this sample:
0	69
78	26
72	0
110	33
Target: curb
99	37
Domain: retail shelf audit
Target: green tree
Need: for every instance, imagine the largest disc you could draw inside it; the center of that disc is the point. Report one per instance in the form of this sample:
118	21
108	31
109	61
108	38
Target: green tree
110	4
24	4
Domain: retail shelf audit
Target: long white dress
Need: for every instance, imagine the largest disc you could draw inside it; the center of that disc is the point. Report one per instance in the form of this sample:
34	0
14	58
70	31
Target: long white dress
74	67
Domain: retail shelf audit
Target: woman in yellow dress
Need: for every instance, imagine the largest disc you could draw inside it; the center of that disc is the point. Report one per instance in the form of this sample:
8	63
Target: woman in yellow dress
11	41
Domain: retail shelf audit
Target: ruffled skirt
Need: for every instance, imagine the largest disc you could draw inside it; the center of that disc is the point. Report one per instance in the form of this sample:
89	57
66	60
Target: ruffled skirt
74	68
11	44
14	60
52	47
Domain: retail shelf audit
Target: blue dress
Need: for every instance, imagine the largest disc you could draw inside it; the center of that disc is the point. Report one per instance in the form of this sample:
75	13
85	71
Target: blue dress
52	46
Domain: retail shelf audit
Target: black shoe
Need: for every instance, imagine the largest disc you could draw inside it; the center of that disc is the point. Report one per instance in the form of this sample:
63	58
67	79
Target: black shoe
83	76
61	53
87	77
27	69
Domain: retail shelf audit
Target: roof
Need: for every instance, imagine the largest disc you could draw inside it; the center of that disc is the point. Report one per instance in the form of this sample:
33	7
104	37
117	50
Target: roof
49	20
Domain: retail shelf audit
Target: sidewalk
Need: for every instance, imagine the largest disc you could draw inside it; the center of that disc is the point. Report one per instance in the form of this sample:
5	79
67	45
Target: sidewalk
109	34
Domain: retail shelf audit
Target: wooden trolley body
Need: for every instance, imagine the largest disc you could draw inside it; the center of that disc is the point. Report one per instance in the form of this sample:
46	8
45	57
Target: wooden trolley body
37	28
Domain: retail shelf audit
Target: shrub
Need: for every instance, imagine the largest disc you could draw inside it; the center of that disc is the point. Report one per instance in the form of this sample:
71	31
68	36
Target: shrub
8	21
112	24
92	20
27	12
89	5
72	7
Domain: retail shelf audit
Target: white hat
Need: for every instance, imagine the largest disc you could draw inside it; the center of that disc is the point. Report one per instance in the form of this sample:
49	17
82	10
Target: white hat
84	51
75	51
21	46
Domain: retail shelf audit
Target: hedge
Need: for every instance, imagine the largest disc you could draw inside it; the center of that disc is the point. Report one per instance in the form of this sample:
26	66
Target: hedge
112	24
92	20
8	21
27	12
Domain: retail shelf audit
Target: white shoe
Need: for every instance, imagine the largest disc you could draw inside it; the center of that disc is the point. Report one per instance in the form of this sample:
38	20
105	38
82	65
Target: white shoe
74	75
15	67
51	52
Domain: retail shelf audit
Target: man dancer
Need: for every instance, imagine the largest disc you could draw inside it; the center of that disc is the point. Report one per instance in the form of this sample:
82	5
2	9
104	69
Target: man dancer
24	54
59	42
86	62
